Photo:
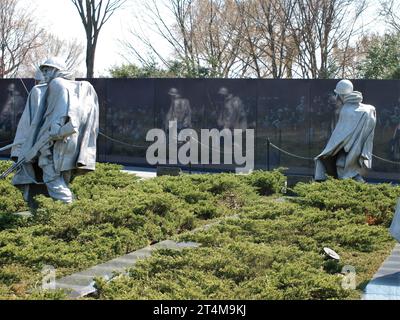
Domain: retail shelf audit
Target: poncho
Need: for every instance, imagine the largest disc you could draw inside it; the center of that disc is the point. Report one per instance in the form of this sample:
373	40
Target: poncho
350	145
73	104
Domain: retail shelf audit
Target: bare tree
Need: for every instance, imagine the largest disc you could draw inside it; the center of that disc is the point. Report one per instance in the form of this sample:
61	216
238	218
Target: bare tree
203	35
256	38
318	27
391	12
217	32
94	14
268	46
177	34
71	51
19	35
350	58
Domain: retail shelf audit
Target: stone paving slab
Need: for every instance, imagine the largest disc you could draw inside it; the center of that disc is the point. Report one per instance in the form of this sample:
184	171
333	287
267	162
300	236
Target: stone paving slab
206	227
385	285
393	258
82	283
385	272
141	173
25	214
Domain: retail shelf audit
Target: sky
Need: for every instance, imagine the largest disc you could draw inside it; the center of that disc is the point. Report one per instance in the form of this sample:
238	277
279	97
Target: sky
62	19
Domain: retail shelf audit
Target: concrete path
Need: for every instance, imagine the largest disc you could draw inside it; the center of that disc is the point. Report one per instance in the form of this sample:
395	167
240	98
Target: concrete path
24	214
385	285
144	173
82	283
148	173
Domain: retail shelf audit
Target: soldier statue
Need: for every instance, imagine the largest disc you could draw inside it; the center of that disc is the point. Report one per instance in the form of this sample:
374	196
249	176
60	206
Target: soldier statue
349	150
57	133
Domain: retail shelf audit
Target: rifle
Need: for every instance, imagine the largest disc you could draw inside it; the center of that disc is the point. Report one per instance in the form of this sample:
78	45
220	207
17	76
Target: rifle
65	131
26	158
17	143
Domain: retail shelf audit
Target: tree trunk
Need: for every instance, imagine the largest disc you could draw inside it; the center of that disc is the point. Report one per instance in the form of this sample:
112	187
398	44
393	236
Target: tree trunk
90	54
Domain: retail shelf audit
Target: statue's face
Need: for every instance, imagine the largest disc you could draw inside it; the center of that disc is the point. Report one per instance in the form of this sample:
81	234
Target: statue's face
48	73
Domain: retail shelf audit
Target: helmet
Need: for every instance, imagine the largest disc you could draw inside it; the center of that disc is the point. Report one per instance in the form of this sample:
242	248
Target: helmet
54	62
344	87
223	91
173	92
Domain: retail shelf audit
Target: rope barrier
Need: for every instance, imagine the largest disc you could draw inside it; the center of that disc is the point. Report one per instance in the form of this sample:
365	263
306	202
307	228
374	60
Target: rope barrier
223	152
26	89
386	160
145	147
8	141
304	158
288	153
122	142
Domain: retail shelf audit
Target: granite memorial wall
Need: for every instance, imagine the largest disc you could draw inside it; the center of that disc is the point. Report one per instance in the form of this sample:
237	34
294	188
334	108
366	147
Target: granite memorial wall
296	116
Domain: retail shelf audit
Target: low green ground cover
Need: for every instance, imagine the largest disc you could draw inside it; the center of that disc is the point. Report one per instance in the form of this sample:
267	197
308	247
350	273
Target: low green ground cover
264	246
114	214
273	249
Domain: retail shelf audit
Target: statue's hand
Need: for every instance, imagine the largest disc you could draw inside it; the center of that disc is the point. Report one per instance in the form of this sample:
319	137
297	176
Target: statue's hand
67	130
58	132
54	131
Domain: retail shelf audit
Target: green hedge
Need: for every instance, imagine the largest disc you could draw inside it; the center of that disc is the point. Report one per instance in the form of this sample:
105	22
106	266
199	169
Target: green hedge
272	250
11	200
115	213
236	271
375	203
265	247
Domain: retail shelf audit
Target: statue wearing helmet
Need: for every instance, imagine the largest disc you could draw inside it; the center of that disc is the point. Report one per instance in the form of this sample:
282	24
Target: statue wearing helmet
60	128
344	87
349	150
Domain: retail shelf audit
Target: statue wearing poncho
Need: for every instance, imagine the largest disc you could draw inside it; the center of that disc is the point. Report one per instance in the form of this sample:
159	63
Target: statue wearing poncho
67	116
349	149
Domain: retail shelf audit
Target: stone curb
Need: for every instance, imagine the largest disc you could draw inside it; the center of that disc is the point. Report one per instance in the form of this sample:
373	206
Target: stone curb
385	284
82	283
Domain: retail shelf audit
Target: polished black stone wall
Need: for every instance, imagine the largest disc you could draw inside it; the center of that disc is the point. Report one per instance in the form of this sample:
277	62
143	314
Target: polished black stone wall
296	115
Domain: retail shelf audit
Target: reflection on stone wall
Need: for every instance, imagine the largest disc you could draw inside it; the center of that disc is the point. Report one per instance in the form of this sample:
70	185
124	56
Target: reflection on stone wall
296	115
12	102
